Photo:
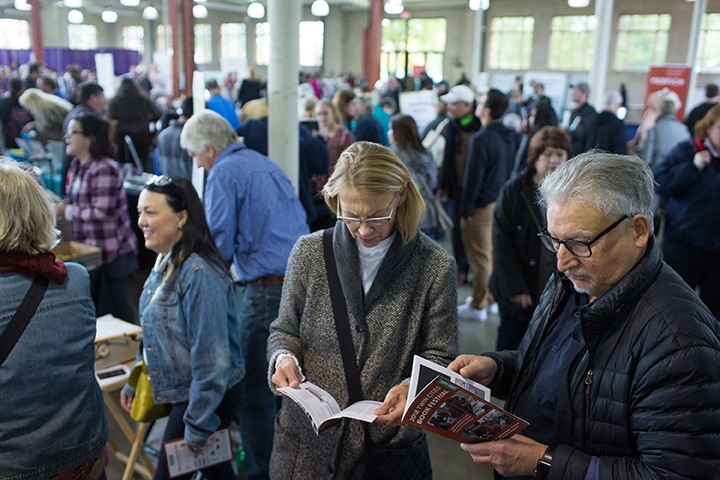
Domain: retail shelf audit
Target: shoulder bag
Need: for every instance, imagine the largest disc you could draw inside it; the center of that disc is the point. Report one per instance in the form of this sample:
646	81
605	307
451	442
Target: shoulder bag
410	462
22	317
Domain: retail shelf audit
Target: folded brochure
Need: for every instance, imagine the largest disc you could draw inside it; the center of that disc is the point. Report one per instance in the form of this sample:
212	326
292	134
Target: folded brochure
323	410
456	408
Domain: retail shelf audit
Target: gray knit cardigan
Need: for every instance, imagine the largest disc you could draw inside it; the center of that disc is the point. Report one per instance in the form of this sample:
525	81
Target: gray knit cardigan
410	309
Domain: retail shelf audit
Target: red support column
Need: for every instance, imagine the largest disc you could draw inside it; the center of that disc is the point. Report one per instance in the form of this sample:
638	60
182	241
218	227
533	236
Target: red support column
371	43
174	32
36	29
188	44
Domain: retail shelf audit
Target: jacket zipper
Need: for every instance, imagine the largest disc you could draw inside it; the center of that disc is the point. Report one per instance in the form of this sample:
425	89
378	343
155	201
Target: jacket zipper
588	390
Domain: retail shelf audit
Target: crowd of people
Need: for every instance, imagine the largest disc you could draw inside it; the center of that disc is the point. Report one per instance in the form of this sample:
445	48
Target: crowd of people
608	342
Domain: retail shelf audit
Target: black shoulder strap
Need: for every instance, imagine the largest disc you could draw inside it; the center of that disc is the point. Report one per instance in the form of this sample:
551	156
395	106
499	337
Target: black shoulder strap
342	322
22	317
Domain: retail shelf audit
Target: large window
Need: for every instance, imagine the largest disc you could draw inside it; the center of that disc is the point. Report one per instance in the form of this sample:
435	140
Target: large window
571	42
14	34
163	39
82	37
312	38
411	45
511	42
203	43
642	41
133	38
707	56
232	41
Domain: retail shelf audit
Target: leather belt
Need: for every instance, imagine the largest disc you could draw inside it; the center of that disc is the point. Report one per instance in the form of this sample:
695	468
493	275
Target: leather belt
264	281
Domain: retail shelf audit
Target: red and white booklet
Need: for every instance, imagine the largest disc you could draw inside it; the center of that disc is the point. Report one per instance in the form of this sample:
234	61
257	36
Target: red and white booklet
455	407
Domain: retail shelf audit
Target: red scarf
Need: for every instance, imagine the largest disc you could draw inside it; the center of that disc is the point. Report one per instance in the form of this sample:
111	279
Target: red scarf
43	265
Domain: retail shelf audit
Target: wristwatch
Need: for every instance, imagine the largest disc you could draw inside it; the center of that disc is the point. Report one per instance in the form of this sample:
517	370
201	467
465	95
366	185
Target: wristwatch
542	467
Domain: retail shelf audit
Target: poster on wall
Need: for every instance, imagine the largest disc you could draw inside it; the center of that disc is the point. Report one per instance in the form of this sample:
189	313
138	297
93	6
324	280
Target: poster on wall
419	105
672	77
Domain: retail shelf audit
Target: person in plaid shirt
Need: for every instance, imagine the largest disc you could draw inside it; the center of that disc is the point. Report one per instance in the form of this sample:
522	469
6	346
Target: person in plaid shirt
96	204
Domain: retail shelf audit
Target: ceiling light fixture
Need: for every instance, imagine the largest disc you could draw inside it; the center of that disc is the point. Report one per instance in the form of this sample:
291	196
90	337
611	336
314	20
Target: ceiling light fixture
474	5
73	3
75	16
320	8
200	11
394	8
150	13
109	16
22	5
130	3
578	3
256	10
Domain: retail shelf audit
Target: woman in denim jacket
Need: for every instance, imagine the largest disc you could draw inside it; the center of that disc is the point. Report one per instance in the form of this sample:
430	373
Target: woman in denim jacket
191	337
52	417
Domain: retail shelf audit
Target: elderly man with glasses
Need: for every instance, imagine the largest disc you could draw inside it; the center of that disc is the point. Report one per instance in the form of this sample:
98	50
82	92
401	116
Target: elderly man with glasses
618	372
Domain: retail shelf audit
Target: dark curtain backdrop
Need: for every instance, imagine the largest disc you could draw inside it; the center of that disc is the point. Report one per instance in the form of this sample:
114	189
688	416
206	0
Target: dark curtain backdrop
59	58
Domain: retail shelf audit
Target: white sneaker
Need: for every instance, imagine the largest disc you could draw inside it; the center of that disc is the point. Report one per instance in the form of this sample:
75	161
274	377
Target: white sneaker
493	308
468	300
469	312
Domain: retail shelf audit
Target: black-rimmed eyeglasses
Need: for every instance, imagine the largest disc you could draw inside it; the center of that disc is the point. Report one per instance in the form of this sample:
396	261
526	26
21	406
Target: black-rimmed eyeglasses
579	248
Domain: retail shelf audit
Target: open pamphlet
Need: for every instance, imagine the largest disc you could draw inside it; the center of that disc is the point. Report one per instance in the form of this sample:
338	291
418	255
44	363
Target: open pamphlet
181	460
322	408
445	403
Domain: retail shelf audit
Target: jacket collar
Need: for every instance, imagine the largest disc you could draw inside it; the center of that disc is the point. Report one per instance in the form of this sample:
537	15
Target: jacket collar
348	262
610	310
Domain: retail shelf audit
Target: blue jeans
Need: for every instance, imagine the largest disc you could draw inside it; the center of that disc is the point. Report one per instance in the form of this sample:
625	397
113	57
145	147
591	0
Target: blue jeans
256	306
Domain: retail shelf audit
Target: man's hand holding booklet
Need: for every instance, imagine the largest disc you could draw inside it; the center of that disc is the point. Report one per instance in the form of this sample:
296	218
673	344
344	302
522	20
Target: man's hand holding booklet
439	401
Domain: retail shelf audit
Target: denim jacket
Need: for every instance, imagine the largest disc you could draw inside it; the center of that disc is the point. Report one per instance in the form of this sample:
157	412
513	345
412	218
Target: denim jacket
191	341
52	416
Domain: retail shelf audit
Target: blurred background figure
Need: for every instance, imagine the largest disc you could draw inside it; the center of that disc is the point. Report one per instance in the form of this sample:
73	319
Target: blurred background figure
12	115
96	204
131	112
697	113
48	112
337	138
174	160
48	378
689	180
406	144
219	104
610	129
665	132
522	264
356	116
251	88
541	115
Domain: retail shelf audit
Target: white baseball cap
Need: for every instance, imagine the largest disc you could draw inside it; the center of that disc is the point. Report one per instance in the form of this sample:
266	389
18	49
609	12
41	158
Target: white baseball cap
459	93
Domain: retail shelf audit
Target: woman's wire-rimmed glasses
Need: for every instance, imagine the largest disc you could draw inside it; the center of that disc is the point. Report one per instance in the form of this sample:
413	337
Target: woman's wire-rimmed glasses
371	221
579	248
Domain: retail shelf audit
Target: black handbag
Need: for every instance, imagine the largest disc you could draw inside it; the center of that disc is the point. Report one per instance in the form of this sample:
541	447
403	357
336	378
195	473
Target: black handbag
22	317
379	463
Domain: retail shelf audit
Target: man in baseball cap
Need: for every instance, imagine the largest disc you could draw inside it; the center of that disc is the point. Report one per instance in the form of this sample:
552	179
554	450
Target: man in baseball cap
459	93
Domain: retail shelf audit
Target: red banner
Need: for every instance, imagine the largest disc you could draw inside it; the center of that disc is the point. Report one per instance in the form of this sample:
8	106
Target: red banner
674	78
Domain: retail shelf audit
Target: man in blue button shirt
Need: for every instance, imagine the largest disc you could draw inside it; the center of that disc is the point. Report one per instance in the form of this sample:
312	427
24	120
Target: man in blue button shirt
255	217
618	371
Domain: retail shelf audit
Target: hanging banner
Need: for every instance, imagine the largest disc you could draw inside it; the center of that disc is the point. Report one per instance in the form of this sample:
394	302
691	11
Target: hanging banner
675	78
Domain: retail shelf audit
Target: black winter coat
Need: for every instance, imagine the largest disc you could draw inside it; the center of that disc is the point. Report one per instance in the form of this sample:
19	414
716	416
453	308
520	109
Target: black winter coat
516	246
644	395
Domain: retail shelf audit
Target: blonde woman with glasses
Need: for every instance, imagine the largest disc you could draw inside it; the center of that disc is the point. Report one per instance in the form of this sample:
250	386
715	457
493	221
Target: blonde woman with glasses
398	287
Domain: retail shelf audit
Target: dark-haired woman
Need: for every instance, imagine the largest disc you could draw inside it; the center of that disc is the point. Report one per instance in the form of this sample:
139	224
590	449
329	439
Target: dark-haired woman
96	204
406	143
191	337
131	111
522	265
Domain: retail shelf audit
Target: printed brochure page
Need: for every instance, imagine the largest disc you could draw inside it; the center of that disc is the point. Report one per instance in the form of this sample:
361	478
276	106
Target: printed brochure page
181	459
322	408
454	412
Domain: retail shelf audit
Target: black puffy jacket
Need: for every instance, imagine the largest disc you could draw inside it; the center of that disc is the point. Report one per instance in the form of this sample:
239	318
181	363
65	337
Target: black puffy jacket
644	395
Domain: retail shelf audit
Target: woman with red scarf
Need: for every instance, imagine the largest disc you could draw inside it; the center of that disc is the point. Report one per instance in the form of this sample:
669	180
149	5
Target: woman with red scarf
689	178
52	417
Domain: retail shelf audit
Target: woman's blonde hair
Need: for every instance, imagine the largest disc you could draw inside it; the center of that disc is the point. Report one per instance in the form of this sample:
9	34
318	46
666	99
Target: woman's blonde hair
374	169
27	220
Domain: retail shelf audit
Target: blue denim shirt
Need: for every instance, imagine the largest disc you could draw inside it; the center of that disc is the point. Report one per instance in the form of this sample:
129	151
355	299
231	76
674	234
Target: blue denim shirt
52	416
191	340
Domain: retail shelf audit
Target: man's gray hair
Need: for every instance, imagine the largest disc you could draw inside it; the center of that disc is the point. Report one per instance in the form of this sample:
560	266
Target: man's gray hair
207	129
616	184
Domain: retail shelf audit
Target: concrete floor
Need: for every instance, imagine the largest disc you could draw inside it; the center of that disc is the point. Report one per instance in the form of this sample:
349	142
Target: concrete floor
449	462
